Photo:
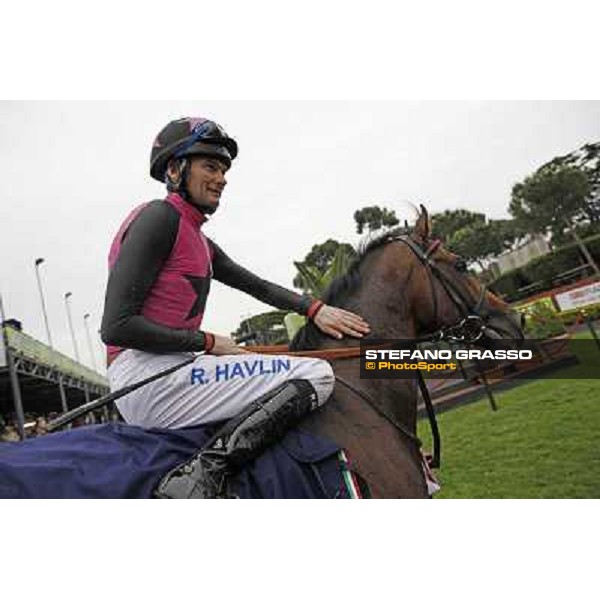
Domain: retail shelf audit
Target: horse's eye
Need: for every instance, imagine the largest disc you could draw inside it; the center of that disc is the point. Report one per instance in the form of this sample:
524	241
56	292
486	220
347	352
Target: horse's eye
461	265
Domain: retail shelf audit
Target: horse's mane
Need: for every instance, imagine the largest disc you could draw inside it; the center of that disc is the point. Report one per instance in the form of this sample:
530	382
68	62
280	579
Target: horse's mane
342	287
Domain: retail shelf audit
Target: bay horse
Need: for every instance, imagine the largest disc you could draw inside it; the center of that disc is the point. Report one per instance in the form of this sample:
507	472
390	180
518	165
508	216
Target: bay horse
404	287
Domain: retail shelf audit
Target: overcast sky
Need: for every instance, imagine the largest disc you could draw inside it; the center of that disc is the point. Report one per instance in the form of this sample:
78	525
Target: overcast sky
71	171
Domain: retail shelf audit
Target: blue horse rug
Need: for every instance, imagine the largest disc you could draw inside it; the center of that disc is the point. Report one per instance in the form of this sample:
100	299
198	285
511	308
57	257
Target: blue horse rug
122	461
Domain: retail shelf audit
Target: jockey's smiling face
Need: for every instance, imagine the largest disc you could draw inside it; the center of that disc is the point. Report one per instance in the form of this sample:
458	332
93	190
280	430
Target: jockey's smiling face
205	182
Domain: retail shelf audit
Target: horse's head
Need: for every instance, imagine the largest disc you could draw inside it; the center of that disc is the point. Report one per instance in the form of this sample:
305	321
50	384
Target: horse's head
415	286
447	297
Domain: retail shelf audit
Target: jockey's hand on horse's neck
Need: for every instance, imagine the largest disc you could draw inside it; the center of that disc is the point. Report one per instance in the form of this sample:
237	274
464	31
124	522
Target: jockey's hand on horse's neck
338	322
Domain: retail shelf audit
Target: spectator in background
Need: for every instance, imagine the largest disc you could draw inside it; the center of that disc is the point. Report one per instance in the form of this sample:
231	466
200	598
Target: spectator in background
41	426
9	434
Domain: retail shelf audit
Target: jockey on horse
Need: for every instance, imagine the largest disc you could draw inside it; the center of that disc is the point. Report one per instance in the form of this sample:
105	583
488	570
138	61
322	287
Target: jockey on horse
161	266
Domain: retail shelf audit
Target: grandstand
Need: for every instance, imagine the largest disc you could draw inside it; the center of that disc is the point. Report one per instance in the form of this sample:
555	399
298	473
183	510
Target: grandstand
34	378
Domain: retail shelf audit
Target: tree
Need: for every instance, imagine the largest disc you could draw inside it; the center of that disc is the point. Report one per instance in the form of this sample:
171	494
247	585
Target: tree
509	232
587	160
374	218
553	199
319	260
315	281
478	241
448	223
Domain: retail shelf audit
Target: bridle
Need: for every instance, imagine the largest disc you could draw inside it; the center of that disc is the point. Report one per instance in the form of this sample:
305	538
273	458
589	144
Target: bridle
469	329
472	324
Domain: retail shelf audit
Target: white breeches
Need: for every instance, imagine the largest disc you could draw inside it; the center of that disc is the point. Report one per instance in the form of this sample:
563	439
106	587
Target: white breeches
212	388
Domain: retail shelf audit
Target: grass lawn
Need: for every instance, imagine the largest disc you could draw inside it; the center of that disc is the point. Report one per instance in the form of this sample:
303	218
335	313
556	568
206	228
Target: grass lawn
543	442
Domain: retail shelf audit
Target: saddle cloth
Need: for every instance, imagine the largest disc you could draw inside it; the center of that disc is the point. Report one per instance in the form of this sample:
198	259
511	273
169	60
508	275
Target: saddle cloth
116	460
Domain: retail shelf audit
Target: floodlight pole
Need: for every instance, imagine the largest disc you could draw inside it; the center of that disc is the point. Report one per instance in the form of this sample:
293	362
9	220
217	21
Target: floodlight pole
70	320
89	339
38	262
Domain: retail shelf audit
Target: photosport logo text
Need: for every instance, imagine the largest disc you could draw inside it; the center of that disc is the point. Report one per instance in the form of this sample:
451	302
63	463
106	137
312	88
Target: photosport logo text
398	362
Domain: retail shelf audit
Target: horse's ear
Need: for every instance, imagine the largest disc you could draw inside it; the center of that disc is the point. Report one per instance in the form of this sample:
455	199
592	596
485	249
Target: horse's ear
423	225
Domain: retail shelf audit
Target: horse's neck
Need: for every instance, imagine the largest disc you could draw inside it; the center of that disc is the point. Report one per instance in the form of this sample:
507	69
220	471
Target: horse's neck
385	307
390	316
388	460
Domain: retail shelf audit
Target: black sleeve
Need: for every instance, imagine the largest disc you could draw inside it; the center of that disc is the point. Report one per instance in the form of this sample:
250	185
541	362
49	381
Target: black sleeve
230	273
146	246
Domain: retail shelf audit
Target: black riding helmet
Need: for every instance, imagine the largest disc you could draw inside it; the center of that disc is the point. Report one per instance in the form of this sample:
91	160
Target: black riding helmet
187	137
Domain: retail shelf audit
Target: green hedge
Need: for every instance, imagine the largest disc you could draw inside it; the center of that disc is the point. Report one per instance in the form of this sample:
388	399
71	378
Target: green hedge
543	270
543	321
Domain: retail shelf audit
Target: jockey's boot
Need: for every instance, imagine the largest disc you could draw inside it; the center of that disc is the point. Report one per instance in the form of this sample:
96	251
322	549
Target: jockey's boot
239	441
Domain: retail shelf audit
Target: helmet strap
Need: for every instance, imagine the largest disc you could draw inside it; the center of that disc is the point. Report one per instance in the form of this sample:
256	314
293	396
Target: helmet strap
176	181
178	184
